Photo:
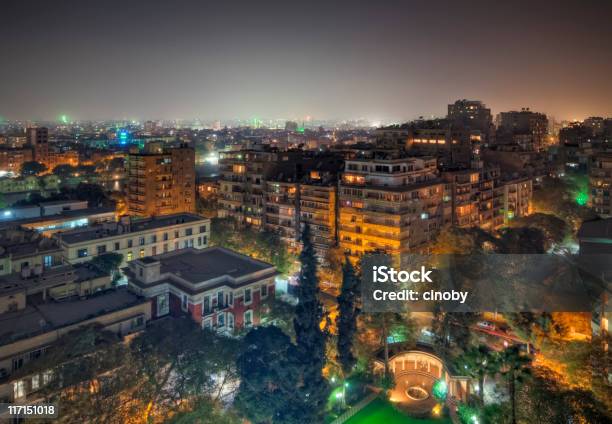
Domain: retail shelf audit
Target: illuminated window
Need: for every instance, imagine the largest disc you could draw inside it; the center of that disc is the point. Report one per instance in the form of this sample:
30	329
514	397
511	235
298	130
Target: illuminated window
142	253
238	169
130	256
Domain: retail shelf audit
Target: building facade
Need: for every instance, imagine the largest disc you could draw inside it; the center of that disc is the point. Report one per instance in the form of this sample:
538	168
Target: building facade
135	238
218	288
161	182
389	204
600	181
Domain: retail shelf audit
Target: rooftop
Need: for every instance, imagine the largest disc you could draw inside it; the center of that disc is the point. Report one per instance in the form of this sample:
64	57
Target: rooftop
216	265
39	319
19	242
597	229
71	214
113	229
206	264
50	277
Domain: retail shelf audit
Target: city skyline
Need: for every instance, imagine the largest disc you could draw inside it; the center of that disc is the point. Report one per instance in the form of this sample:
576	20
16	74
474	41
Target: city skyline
391	62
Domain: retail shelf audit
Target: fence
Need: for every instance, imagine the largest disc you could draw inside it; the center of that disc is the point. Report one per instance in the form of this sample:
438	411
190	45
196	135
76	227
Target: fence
356	408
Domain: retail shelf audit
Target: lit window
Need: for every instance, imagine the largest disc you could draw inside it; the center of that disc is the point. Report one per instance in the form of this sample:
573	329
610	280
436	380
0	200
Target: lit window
19	389
142	253
130	255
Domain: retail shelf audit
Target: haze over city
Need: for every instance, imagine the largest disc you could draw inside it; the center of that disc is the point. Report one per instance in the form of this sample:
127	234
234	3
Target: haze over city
383	61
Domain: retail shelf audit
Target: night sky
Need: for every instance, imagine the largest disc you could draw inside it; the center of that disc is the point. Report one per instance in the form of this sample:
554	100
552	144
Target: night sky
286	59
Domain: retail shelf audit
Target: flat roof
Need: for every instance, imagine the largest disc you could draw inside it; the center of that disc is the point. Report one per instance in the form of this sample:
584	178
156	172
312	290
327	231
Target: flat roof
40	319
195	265
56	276
600	229
102	231
71	214
20	242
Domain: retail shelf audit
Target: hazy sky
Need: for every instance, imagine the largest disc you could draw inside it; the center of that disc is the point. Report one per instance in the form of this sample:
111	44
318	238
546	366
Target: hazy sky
330	59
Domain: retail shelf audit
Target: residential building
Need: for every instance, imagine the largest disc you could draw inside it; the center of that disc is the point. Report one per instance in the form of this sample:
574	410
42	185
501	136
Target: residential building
524	128
600	184
33	319
517	198
27	251
475	197
241	186
67	220
134	238
389	203
11	160
161	182
218	288
38	139
472	114
319	209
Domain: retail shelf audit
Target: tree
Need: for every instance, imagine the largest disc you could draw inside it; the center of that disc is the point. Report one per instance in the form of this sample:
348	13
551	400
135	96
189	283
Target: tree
310	338
552	227
515	367
176	361
545	399
521	240
205	411
268	375
93	193
347	318
64	171
32	168
461	241
108	262
79	368
388	326
478	363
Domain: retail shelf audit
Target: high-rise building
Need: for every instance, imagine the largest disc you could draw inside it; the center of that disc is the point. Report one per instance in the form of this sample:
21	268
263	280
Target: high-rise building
38	138
161	182
390	204
241	186
600	181
472	114
525	128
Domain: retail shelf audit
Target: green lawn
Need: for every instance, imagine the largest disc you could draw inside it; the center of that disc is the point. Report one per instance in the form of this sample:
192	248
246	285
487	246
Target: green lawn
379	411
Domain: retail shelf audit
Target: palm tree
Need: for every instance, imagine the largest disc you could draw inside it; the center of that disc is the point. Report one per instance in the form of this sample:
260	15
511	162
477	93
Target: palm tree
478	363
515	366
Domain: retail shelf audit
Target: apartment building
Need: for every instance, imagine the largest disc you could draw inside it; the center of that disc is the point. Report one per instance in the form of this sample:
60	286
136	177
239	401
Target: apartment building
319	208
134	238
161	181
312	200
241	186
524	128
389	203
24	250
600	181
218	288
33	319
517	198
282	210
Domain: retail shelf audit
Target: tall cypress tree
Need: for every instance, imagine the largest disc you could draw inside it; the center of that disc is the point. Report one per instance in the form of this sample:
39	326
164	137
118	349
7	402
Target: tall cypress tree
347	318
310	339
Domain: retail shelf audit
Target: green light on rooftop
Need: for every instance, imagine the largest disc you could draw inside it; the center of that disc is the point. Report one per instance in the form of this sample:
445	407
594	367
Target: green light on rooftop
64	119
